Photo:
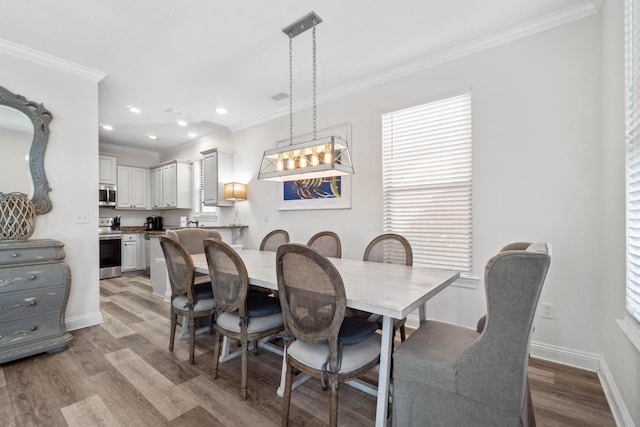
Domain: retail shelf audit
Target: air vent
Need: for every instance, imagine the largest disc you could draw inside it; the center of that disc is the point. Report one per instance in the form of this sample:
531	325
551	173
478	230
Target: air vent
280	96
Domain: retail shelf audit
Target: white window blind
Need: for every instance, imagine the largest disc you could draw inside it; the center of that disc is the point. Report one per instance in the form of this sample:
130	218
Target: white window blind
199	209
632	107
426	173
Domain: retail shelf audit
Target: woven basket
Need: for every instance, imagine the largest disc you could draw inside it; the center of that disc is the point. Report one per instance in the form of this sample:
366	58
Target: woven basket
17	216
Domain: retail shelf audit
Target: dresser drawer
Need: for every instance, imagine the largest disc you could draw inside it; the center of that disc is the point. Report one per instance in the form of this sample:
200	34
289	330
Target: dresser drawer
34	328
33	276
17	305
31	251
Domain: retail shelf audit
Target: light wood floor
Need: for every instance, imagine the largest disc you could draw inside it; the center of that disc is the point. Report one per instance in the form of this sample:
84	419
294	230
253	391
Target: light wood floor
121	373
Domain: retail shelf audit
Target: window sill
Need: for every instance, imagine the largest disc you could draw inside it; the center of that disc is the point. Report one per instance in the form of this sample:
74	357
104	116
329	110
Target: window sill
631	331
466	282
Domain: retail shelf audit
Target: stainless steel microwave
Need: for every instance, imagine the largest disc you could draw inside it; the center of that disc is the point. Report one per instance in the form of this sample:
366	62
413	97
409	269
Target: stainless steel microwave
107	195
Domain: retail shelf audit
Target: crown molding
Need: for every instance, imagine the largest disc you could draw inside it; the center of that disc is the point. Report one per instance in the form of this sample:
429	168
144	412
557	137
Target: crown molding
543	23
109	149
45	59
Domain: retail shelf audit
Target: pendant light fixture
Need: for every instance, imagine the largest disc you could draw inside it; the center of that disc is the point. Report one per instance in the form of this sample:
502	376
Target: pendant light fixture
319	158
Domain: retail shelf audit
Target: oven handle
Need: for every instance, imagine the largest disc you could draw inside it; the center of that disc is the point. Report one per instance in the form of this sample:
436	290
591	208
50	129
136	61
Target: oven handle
107	237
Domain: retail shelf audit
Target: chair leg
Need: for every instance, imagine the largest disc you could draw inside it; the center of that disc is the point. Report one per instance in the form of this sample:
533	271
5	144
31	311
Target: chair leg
245	361
286	399
216	353
174	322
333	405
255	347
211	321
403	333
192	339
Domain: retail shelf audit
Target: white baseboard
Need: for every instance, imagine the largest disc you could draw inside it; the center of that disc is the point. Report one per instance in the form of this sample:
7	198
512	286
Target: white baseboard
78	322
566	356
618	408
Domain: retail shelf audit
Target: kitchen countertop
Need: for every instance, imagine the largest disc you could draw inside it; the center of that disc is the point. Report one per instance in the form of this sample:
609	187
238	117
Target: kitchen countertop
143	229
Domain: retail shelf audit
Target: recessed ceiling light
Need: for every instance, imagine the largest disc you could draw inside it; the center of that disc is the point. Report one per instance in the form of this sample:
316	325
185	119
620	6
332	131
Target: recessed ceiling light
182	122
192	134
221	110
107	127
154	137
134	110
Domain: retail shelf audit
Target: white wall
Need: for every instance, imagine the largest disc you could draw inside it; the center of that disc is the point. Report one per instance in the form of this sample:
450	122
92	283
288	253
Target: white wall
71	164
536	169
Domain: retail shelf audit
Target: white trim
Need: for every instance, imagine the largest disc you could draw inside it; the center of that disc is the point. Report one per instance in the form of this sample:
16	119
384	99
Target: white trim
566	356
631	331
42	58
561	17
618	408
84	321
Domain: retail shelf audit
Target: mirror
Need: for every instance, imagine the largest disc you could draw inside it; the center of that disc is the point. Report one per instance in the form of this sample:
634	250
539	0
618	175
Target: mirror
24	133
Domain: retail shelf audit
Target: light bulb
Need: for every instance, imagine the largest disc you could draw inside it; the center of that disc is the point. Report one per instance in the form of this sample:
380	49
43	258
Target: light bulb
291	164
327	157
303	161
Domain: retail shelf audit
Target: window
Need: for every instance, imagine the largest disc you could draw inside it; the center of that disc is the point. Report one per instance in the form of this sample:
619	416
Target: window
632	119
426	174
199	209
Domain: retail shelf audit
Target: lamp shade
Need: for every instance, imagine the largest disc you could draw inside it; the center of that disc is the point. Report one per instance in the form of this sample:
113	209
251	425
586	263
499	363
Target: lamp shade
235	191
319	158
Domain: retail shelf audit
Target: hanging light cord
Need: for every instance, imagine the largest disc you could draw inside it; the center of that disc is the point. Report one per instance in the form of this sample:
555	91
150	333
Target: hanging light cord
290	88
315	76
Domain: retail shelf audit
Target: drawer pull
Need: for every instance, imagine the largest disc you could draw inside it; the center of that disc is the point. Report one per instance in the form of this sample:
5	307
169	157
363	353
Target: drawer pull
33	303
15	254
34	328
33	277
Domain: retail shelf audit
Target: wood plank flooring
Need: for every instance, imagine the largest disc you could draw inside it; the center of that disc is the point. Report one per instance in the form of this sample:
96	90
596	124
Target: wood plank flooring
121	373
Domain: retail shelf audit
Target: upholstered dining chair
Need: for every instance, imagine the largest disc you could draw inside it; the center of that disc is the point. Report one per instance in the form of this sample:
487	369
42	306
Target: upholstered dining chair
389	248
191	240
185	299
241	315
273	240
327	243
319	343
449	375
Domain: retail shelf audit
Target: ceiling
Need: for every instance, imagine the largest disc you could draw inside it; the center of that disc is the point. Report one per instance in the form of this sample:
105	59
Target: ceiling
182	59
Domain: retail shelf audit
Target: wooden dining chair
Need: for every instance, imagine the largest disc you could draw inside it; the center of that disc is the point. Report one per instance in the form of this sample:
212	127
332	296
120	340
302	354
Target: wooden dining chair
240	315
327	243
186	300
319	342
191	240
389	248
272	241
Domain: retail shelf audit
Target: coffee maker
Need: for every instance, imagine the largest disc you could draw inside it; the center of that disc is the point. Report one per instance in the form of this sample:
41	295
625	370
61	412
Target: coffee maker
154	223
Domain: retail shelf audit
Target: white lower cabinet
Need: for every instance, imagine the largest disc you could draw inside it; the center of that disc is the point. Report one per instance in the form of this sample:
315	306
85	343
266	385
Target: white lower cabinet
130	252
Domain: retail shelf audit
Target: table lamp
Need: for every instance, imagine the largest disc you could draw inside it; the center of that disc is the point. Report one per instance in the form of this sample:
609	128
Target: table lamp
235	191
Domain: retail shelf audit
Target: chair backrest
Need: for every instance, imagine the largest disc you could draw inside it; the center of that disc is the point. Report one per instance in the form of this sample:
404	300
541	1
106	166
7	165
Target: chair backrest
311	293
229	277
179	266
494	368
191	238
327	243
273	240
389	248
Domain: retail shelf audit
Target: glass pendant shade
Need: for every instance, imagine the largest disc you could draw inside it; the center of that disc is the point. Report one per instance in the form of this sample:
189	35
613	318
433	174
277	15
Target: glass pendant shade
320	158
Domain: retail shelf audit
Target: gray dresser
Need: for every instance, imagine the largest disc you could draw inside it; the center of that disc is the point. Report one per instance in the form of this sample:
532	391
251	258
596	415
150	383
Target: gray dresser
34	289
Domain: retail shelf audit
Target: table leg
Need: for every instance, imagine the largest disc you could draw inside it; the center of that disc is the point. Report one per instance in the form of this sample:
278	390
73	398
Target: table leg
384	374
422	312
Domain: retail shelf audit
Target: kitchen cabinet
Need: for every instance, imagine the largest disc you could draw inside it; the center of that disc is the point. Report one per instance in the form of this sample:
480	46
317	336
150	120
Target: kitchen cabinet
133	187
107	170
217	170
130	249
171	185
34	289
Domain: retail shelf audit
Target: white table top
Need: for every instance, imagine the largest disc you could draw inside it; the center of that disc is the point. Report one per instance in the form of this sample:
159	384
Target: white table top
386	289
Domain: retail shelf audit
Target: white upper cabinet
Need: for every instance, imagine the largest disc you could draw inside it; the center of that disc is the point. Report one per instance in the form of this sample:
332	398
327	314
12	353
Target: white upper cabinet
107	169
133	188
171	185
217	171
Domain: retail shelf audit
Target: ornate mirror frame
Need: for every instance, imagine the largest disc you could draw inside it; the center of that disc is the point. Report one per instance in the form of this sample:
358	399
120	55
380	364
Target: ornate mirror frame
40	117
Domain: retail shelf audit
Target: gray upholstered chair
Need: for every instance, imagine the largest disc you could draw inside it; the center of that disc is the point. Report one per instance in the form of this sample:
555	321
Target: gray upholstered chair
185	299
241	315
322	342
191	240
327	243
448	375
272	241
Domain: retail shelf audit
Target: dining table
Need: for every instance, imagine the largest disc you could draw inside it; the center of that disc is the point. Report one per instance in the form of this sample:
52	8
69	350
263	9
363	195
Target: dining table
391	291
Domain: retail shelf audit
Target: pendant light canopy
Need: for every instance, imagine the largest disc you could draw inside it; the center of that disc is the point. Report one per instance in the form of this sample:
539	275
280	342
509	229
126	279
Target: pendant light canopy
319	158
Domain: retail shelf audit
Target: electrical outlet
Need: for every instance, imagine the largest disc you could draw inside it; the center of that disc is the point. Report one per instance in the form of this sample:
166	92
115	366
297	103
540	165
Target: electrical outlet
547	310
82	217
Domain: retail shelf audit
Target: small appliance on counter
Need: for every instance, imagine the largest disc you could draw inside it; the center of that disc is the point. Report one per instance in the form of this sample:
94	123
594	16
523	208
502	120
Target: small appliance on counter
154	223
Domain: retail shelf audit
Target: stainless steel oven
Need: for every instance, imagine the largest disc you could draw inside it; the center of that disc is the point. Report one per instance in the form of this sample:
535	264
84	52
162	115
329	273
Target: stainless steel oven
110	249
